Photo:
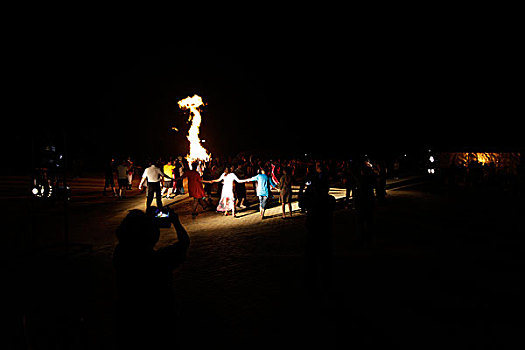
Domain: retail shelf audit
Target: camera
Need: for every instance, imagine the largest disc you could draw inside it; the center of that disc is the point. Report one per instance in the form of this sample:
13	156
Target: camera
162	218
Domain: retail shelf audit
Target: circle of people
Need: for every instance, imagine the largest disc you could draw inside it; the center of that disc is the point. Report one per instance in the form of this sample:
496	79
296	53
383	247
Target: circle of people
166	181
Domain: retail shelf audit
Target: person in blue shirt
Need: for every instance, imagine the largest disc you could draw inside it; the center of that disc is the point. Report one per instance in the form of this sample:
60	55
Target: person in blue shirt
263	191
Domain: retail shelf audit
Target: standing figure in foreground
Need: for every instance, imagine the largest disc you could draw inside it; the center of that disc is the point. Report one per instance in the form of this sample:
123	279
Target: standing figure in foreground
146	307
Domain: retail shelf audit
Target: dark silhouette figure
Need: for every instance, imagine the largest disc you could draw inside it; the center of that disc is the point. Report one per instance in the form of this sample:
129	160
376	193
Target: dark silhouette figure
146	313
285	191
319	212
109	176
380	171
364	203
206	176
349	183
305	187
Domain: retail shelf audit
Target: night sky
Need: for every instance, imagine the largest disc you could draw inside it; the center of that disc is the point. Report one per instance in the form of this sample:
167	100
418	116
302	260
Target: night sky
330	90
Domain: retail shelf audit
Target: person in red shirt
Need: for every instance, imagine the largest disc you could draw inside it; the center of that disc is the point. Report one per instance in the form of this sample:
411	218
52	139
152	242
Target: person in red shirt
195	188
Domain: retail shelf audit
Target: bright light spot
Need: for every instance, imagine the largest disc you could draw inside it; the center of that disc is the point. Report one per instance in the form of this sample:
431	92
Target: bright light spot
197	152
431	159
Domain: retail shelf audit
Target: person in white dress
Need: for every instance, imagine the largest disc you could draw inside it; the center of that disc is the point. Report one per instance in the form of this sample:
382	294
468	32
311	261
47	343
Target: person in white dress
227	201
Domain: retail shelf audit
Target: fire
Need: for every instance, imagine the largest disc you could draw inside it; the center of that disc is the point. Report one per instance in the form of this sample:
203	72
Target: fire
197	152
483	158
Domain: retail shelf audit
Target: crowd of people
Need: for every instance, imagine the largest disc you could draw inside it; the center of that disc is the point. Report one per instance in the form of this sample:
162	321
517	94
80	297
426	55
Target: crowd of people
145	301
124	171
146	305
227	180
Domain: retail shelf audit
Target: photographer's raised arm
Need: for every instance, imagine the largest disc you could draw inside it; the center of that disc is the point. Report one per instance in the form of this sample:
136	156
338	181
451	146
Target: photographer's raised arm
175	254
182	234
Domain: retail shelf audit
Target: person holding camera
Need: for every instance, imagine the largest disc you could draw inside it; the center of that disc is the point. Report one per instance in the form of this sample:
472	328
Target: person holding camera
146	309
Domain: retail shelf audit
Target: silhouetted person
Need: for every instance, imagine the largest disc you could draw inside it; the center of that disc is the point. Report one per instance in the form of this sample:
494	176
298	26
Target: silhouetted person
395	169
364	202
122	176
319	212
206	176
146	314
380	181
285	191
109	177
305	187
240	188
349	183
179	171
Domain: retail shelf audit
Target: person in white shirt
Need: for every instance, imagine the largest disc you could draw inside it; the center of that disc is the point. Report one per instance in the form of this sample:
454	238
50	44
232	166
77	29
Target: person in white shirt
153	175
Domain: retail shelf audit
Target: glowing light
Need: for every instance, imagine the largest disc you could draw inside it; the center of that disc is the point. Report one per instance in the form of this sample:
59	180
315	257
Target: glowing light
484	158
197	152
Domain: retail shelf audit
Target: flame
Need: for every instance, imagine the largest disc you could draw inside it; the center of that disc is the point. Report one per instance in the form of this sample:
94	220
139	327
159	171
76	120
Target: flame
484	158
197	152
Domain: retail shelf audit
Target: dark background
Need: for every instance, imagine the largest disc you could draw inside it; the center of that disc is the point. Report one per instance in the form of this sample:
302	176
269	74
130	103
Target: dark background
328	88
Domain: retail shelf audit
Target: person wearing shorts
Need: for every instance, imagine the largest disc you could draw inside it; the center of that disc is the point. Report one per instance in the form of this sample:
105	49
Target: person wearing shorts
122	175
167	187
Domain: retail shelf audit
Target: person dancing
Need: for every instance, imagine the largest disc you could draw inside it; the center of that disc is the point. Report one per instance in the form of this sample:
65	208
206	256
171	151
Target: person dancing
285	191
263	182
195	189
227	201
